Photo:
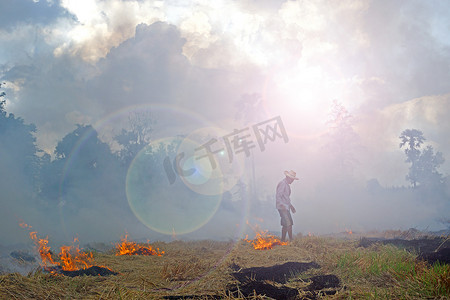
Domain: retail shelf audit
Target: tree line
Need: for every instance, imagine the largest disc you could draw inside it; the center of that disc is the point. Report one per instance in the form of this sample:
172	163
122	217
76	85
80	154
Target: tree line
85	169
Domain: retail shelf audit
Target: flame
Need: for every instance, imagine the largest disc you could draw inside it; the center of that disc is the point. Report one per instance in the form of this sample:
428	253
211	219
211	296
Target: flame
349	231
131	248
43	249
71	257
23	225
263	240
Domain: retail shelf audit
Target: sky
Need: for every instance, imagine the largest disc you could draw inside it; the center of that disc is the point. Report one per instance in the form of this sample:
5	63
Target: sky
68	62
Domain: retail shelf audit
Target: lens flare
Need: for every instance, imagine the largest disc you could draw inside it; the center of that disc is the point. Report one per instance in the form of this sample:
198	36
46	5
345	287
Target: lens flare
105	128
216	169
159	197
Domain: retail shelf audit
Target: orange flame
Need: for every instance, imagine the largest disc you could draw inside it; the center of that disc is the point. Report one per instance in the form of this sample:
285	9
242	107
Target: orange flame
131	248
71	257
43	249
264	240
23	225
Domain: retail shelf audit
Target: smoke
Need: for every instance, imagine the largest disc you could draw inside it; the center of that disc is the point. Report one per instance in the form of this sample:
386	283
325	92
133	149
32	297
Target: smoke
386	62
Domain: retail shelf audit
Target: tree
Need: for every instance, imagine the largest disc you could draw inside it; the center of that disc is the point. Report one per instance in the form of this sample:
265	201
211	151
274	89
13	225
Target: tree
84	169
19	163
428	164
19	169
137	137
424	163
250	109
342	139
2	102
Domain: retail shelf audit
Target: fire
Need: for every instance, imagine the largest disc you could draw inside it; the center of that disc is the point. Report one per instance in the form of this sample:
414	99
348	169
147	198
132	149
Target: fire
131	248
349	231
43	249
263	240
71	257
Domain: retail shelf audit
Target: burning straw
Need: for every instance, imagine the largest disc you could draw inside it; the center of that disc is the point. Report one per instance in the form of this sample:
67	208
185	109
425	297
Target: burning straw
72	261
264	240
126	247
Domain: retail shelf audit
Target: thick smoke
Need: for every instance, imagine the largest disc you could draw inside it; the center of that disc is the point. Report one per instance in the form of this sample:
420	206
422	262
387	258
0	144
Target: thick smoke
69	132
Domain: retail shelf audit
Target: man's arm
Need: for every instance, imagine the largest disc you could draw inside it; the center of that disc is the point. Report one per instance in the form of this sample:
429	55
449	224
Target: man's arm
292	209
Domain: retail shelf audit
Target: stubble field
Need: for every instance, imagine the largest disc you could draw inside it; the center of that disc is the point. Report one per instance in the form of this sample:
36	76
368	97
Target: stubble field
310	267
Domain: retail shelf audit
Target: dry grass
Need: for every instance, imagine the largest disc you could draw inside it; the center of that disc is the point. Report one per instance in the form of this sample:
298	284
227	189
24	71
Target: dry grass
202	268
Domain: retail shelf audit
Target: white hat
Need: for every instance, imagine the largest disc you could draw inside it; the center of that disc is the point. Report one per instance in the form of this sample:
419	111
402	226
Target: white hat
291	174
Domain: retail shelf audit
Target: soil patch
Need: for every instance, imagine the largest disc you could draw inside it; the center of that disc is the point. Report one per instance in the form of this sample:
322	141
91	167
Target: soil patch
277	273
419	246
270	281
442	256
324	282
185	297
424	247
251	288
91	271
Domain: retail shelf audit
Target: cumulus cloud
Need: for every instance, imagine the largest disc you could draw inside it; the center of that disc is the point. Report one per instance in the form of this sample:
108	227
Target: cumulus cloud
102	25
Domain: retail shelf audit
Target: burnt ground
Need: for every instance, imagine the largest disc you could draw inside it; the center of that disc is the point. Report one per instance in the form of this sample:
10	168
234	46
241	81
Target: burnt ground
419	246
91	271
277	273
270	281
430	249
442	256
248	289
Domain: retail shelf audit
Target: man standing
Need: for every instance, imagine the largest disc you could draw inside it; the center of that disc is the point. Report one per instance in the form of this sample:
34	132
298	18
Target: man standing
284	205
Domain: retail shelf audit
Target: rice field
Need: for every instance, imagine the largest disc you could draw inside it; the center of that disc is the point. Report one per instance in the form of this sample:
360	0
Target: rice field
207	270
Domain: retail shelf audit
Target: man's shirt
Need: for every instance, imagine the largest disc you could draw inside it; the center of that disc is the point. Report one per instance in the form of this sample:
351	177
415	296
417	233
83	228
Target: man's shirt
283	195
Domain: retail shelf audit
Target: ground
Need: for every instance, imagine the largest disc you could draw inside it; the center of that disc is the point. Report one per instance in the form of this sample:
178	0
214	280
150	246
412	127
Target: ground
308	268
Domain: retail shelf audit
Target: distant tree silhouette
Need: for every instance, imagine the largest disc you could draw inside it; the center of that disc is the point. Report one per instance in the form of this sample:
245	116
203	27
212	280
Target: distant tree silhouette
19	163
424	163
240	191
137	137
250	109
84	169
342	139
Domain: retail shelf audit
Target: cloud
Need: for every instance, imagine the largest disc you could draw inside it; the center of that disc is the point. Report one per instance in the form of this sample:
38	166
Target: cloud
404	52
103	25
68	62
16	13
148	68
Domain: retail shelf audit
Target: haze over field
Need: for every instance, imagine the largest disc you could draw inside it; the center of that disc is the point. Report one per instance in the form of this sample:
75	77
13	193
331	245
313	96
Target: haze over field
105	86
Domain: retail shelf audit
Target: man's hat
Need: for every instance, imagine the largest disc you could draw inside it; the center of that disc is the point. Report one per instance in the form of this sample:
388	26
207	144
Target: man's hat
291	174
